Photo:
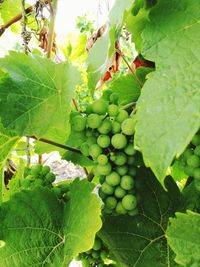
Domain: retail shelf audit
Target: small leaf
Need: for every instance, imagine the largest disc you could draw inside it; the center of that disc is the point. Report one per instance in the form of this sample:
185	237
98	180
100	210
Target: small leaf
39	93
77	159
183	235
140	241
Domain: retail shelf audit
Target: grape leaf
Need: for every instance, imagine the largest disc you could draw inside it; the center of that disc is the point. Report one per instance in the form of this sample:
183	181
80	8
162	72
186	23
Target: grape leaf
77	159
168	110
8	140
39	93
32	230
183	235
104	47
140	241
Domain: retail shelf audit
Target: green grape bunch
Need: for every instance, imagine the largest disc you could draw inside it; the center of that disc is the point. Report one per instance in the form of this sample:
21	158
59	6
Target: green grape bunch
41	176
109	132
189	161
98	256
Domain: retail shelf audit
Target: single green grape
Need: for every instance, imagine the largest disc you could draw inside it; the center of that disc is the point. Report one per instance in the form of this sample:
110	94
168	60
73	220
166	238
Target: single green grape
36	170
129	150
45	170
85	263
91	140
122	115
128	126
38	182
120	209
105	127
95	150
114	98
97	244
107	189
196	140
111	202
104	169
193	161
102	194
116	127
131	160
106	94
120	159
197	150
112	110
113	179
99	107
187	153
119	141
189	170
119	192
102	159
78	123
50	178
85	149
103	141
104	255
122	170
127	182
94	121
196	173
25	183
133	212
129	202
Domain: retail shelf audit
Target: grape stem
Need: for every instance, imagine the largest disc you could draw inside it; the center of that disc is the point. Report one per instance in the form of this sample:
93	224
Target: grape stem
127	106
53	10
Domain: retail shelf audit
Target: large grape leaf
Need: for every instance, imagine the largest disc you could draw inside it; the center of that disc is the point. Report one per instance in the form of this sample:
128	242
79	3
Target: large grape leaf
183	235
32	231
37	93
140	241
8	140
169	107
104	47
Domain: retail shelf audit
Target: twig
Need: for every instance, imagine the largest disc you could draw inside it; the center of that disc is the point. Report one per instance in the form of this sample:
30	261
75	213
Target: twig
57	144
28	154
14	20
75	104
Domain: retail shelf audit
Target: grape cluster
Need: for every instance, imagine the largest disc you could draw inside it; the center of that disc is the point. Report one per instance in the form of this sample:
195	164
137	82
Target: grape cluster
189	161
109	142
97	256
41	176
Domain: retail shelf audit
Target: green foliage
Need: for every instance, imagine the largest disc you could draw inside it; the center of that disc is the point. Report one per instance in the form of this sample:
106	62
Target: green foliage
183	235
140	240
168	109
32	229
36	86
8	140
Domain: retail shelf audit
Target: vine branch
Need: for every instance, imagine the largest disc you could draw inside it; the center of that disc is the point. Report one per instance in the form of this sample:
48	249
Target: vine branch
53	10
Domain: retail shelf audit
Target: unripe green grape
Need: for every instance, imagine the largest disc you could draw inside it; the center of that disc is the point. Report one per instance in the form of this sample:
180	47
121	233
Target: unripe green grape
132	171
122	170
116	127
120	159
197	150
95	150
85	263
104	169
102	194
38	182
112	110
114	98
88	109
193	161
119	141
94	121
50	178
107	189
106	210
196	140
97	244
106	94
85	149
196	173
112	156
104	255
111	202
102	159
129	202
128	126
25	183
91	140
127	182
78	123
187	153
122	115
131	160
189	170
105	127
119	192
45	170
120	209
36	170
113	179
133	212
103	141
95	170
129	150
99	107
